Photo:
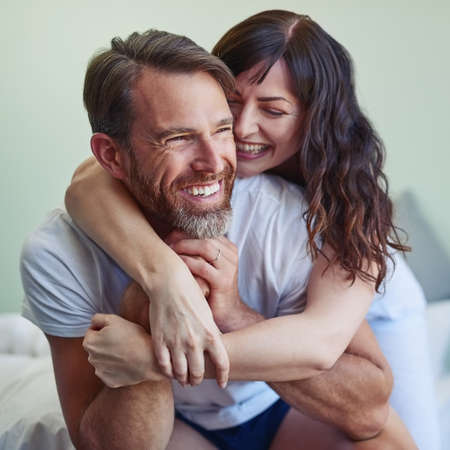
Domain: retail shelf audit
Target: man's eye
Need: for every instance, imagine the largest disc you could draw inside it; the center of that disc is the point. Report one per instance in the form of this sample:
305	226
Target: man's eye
175	139
225	130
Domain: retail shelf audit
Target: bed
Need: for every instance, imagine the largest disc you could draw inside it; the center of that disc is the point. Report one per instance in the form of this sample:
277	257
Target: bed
30	414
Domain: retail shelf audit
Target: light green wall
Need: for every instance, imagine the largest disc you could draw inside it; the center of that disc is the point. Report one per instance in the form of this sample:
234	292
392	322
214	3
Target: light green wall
400	51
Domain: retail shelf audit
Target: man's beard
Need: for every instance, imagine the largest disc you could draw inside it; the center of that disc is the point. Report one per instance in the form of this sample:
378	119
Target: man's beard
210	224
197	223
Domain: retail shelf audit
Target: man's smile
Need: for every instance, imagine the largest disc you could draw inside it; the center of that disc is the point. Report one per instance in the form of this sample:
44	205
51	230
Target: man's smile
204	193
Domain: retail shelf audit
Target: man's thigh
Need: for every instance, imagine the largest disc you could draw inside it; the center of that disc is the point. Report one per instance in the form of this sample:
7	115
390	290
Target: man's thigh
299	431
185	437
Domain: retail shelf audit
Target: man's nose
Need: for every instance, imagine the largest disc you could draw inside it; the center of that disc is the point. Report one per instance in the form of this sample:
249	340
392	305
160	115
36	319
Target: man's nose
209	156
245	123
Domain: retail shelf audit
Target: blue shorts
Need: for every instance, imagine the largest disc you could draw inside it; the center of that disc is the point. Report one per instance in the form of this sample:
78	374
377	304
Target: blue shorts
255	434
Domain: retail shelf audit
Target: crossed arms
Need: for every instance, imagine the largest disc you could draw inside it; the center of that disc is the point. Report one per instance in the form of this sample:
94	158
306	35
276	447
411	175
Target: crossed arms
352	393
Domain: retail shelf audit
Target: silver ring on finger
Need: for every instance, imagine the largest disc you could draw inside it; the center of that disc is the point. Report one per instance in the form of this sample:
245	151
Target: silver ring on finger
219	252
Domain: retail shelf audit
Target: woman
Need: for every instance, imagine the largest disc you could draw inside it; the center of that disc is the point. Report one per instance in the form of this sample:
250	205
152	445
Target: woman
296	113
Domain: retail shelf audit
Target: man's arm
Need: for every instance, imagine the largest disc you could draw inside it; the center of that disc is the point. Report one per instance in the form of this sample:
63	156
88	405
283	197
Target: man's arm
99	417
353	395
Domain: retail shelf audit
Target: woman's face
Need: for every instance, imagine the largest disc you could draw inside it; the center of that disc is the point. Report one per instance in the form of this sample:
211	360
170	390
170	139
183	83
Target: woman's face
267	120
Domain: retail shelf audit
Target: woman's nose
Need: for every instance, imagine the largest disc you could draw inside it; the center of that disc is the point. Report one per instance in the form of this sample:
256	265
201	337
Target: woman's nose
245	122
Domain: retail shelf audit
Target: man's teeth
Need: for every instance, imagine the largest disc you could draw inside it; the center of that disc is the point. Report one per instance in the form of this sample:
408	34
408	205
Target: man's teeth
251	148
203	191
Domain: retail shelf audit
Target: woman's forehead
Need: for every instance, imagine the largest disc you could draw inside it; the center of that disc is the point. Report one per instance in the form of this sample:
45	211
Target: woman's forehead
278	79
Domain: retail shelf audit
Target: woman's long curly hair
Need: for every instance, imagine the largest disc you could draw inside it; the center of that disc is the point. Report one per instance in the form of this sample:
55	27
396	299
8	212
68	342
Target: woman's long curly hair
341	156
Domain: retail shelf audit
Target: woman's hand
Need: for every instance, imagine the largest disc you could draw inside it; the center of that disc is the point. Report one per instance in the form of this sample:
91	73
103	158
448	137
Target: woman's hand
120	351
214	263
183	326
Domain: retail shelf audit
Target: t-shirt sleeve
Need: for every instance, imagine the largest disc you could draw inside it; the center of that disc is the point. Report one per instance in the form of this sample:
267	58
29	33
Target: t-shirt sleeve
55	300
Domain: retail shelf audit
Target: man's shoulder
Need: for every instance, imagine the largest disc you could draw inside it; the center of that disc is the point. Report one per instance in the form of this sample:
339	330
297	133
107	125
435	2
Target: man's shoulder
66	277
56	235
59	245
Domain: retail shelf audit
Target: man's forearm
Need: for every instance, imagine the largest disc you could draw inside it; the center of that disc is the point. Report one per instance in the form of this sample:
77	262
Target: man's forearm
352	396
128	417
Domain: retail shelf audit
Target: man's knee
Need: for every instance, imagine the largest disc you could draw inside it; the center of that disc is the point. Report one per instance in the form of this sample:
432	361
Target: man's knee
135	306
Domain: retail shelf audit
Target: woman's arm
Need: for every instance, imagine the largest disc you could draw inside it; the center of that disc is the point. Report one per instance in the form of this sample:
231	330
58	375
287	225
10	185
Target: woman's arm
104	209
305	343
302	356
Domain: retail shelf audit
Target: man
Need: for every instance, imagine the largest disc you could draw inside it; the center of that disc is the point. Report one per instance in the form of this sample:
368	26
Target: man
162	126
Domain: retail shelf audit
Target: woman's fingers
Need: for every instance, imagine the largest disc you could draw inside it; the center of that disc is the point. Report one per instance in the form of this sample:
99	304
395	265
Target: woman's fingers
179	365
214	251
200	268
204	286
162	355
219	357
196	361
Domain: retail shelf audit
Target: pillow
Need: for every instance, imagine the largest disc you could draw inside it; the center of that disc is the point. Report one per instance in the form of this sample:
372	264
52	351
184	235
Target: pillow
428	260
31	416
20	337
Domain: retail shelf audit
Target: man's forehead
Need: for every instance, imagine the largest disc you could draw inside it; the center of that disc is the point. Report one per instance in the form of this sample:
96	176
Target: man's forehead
159	89
164	102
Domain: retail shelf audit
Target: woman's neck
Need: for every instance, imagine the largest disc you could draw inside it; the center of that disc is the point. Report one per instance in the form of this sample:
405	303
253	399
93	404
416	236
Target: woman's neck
289	170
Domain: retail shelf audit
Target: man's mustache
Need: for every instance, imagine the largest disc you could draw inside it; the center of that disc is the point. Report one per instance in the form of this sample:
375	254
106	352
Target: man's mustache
199	178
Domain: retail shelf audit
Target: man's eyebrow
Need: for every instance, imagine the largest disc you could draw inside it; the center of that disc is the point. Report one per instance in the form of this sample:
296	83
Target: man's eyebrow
226	121
183	130
173	131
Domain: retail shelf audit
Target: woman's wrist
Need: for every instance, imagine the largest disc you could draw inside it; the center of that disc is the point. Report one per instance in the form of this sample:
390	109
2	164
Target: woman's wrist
162	268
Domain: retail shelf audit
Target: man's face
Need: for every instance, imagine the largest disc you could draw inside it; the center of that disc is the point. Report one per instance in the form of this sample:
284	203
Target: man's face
182	161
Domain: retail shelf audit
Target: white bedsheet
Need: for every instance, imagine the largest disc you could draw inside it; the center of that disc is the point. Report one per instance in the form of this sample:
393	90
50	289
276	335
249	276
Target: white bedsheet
30	414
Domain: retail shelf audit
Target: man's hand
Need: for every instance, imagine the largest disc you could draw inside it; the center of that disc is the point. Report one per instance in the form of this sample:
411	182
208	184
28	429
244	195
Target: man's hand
120	351
214	263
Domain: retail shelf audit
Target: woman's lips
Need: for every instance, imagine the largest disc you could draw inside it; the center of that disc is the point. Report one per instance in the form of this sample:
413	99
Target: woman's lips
250	151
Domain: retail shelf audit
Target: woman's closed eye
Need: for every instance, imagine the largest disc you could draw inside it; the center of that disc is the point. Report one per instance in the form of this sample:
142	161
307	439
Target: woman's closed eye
274	112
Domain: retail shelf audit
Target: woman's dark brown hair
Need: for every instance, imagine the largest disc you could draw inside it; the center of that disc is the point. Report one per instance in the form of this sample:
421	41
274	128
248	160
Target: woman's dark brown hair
341	156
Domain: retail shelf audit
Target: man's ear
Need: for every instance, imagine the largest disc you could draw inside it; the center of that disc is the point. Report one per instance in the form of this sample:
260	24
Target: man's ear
108	154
